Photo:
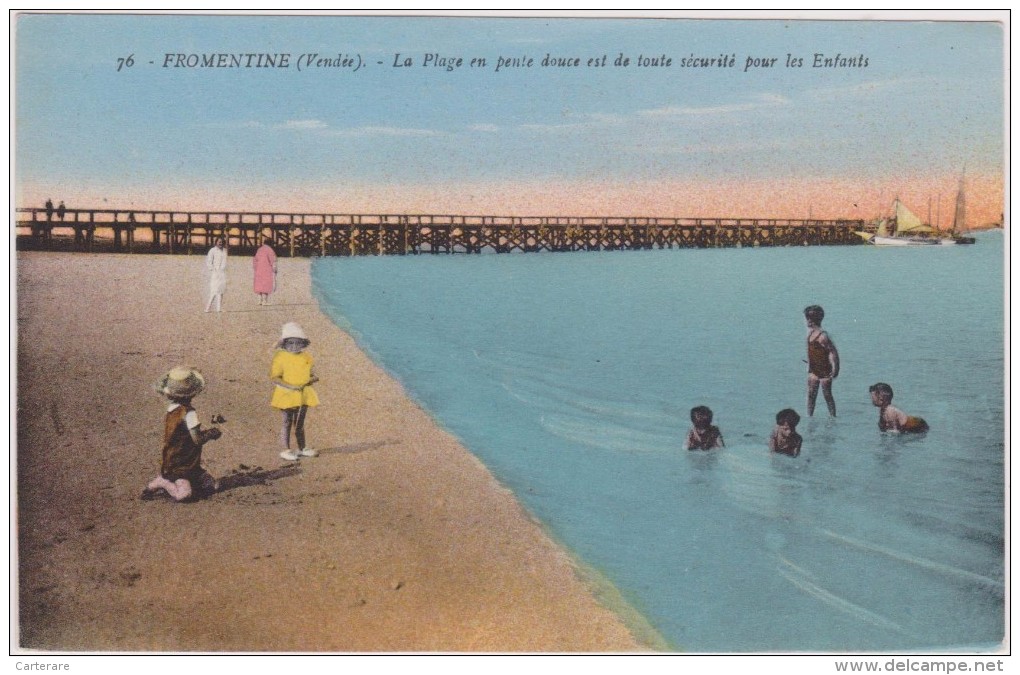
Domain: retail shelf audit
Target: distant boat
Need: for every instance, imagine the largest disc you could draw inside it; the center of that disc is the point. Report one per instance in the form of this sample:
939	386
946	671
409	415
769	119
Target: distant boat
905	228
959	231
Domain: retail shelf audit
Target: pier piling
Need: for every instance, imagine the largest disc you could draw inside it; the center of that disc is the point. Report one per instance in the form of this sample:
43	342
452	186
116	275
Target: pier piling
317	234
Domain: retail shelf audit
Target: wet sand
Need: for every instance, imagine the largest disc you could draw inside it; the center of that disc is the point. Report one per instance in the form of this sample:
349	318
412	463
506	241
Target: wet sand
395	539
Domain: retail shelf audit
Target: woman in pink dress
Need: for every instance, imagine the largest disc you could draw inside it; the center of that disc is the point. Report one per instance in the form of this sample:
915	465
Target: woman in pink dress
264	264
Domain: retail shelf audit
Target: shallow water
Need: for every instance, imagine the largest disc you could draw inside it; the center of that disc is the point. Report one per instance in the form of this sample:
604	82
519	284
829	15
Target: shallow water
572	376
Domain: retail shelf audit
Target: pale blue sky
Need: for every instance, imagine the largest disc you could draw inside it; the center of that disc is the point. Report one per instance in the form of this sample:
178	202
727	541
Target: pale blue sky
931	99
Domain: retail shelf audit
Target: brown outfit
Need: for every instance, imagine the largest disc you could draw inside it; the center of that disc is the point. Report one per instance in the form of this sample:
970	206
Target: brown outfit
182	457
818	357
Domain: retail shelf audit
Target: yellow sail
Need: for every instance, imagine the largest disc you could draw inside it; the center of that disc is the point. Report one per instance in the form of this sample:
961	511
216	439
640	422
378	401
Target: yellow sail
908	224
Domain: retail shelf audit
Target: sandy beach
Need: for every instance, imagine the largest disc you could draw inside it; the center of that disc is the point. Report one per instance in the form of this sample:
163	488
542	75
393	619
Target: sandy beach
394	539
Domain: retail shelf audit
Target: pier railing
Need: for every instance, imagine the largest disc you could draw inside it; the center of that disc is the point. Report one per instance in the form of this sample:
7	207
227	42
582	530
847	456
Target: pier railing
331	234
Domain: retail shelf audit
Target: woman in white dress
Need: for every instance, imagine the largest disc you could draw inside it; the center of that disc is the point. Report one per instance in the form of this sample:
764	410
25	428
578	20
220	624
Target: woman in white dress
216	263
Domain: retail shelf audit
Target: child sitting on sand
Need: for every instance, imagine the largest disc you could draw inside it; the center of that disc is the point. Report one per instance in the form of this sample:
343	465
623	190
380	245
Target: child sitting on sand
891	418
291	372
181	474
784	439
703	436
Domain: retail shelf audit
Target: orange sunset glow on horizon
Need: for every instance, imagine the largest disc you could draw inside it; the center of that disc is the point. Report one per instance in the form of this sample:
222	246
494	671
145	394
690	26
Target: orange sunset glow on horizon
931	197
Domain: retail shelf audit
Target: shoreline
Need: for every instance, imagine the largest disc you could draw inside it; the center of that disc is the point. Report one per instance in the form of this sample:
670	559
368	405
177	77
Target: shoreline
395	539
599	585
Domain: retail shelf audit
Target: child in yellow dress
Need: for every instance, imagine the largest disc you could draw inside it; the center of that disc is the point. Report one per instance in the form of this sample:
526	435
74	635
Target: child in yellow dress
292	374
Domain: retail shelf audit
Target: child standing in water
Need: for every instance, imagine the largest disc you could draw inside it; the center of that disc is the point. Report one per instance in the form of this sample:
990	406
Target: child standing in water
784	439
703	436
181	474
891	418
291	372
823	360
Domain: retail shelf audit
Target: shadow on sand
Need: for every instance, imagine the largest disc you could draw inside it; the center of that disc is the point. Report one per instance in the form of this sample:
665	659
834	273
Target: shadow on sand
256	476
248	477
264	308
355	448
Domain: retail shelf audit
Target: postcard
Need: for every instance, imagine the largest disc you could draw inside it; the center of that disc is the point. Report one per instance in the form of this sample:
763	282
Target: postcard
605	333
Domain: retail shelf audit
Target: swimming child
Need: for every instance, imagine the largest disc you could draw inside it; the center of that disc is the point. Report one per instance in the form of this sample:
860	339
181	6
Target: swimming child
703	436
891	418
292	374
823	360
784	439
181	474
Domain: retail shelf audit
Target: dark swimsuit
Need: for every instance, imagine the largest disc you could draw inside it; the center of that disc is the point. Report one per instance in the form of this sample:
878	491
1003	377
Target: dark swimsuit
706	441
818	358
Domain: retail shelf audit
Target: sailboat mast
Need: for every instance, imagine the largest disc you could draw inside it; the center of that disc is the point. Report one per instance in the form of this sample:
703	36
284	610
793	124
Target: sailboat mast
959	215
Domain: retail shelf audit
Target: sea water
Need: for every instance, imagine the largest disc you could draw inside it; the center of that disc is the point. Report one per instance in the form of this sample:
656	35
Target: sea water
571	376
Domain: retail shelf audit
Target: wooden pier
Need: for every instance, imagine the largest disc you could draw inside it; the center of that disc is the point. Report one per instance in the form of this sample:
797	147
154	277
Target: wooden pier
326	234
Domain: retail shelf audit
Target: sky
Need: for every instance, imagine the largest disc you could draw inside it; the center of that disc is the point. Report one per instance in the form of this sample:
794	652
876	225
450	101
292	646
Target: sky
634	140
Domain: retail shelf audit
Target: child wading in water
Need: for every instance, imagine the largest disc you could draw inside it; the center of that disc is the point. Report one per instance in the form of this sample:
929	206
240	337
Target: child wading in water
291	372
890	418
181	474
823	360
784	439
703	436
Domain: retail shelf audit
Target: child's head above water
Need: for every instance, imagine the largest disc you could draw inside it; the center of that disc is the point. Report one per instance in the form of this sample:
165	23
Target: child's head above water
293	338
788	417
814	314
701	416
181	384
881	393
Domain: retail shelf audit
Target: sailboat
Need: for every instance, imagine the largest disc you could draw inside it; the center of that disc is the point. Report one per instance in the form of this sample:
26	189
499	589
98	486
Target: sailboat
959	231
904	229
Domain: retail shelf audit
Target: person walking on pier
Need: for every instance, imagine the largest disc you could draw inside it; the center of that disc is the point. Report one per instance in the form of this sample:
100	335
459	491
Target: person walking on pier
61	210
823	360
216	263
49	209
264	264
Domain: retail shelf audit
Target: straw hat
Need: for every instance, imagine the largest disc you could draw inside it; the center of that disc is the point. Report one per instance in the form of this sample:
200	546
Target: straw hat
181	382
292	330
